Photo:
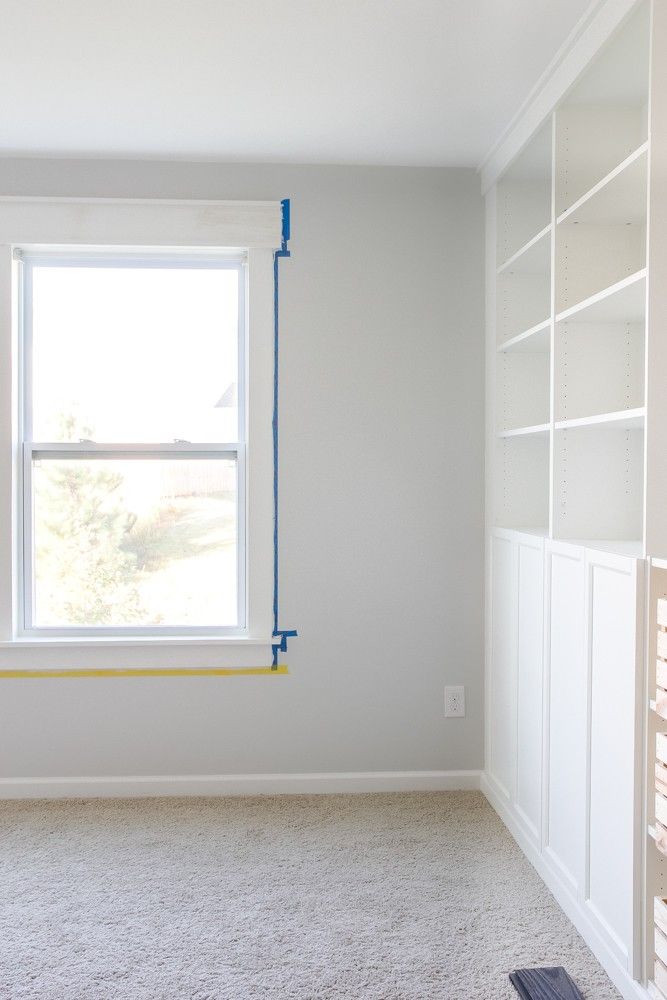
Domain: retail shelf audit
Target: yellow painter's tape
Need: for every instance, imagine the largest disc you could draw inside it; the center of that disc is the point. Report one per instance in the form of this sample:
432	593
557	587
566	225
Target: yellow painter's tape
281	669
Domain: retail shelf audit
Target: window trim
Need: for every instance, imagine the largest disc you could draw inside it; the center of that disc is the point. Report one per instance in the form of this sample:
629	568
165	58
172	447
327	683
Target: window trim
157	226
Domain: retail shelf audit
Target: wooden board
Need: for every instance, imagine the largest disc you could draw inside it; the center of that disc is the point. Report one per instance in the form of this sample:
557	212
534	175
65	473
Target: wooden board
661	702
662	612
661	674
661	809
661	778
660	944
661	838
660	977
660	913
662	644
661	747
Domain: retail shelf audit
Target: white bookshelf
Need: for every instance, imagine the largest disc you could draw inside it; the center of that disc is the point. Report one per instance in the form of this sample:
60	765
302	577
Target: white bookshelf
570	306
577	482
604	117
601	240
524	198
522	491
524	290
598	482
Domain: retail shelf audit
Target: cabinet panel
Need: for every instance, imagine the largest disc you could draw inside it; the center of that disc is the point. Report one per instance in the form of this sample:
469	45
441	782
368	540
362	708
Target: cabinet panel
566	743
612	634
530	645
502	686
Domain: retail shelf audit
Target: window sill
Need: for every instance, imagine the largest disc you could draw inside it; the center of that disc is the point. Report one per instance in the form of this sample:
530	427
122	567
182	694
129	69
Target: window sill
119	654
139	641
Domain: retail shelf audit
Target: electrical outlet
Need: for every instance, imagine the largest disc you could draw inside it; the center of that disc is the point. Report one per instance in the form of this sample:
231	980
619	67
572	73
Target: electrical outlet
455	701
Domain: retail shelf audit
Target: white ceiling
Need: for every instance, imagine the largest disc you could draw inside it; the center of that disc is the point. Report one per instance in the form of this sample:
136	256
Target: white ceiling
429	82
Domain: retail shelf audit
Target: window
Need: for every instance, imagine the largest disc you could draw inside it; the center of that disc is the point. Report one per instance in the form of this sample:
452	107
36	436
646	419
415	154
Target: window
132	425
136	445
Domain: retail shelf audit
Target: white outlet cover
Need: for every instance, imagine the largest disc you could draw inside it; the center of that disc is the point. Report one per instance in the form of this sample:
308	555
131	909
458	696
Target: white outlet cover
455	701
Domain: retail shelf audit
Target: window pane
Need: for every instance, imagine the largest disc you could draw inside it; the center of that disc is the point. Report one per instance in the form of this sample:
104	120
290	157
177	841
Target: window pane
139	354
135	542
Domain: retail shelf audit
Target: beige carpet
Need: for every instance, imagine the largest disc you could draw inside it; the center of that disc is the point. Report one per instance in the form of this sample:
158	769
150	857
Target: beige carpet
389	897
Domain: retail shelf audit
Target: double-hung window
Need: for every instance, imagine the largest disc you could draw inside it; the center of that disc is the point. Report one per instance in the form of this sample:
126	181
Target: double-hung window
136	449
133	442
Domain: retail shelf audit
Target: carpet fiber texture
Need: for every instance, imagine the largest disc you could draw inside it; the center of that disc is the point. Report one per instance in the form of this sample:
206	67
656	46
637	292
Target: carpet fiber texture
362	897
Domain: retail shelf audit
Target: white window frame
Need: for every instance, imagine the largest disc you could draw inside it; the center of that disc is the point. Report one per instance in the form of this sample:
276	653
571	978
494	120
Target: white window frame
31	449
151	230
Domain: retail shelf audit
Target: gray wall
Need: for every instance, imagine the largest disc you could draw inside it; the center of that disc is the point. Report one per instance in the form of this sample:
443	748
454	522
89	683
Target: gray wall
381	494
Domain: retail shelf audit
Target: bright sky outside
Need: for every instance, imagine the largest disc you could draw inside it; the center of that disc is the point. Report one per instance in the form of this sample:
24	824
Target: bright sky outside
136	354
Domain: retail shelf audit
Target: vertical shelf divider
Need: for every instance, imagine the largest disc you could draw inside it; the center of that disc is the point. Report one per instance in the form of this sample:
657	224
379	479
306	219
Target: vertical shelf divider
552	337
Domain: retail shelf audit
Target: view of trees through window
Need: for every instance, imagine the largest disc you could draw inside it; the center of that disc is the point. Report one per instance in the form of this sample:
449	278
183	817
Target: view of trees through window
134	542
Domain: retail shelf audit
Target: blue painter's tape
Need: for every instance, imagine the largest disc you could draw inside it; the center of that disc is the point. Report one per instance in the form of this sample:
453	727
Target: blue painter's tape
283	634
286	222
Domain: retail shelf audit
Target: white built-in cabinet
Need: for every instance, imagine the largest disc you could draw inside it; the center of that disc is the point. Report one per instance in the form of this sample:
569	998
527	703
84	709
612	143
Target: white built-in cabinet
576	197
564	722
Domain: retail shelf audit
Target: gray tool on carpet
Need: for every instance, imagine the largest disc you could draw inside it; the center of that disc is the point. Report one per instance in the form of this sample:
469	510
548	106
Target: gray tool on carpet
544	984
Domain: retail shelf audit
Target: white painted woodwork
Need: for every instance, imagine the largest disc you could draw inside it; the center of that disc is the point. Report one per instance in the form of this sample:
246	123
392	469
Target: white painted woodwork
579	59
502	681
523	301
654	878
660	942
591	140
661	638
623	302
660	809
598	483
660	977
570	308
522	482
614	797
565	729
577	402
127	222
524	290
598	368
515	687
524	211
590	257
660	913
603	118
140	223
566	719
530	649
523	389
524	196
656	360
619	199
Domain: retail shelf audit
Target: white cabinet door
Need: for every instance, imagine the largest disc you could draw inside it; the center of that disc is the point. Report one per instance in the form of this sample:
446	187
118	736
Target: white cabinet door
565	825
515	699
614	783
501	690
530	646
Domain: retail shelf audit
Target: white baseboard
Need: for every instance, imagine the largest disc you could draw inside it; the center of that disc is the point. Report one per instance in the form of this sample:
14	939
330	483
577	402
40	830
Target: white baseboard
628	987
146	786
